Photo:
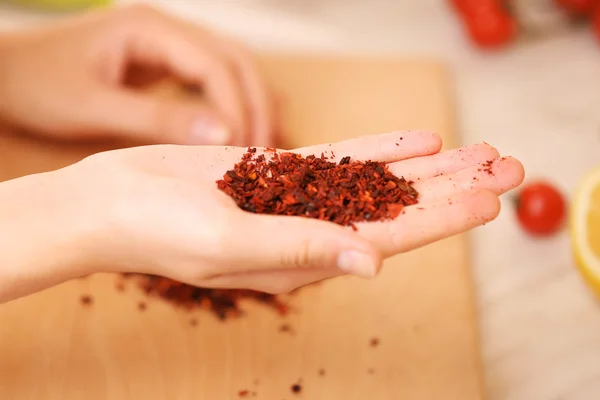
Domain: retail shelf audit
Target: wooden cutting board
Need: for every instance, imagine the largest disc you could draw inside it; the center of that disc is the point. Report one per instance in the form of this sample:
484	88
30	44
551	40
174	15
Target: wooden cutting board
421	307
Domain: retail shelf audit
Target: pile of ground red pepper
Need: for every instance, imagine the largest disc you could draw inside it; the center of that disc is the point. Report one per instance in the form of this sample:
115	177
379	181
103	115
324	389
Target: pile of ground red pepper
346	192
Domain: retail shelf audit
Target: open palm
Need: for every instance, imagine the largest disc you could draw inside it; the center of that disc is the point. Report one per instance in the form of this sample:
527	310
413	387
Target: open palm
193	232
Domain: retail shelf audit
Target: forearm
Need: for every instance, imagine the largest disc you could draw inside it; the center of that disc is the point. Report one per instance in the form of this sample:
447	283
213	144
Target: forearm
41	239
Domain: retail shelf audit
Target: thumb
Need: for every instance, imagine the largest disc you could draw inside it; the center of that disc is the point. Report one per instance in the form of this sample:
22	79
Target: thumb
143	117
286	242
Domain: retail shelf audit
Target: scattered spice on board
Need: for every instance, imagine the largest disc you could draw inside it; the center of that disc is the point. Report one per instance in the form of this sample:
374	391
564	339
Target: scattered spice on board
193	322
224	303
296	388
345	193
374	342
86	300
322	372
287	328
142	306
243	393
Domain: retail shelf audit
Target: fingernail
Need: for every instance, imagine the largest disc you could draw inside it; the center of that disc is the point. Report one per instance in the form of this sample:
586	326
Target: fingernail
206	131
357	263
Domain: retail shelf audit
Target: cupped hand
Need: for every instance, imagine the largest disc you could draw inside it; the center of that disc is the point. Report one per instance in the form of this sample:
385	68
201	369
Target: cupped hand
158	211
80	79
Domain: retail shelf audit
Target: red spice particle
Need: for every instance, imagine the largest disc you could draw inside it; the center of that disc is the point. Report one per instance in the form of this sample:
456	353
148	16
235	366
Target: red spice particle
487	167
296	388
374	342
120	287
243	393
193	322
344	193
397	144
142	306
401	138
286	328
371	371
86	300
321	372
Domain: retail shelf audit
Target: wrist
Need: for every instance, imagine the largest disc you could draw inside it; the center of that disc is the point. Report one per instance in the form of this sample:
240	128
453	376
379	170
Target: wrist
43	237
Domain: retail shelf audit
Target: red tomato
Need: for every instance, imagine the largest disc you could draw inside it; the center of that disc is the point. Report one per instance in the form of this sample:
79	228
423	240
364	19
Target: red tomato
491	28
541	208
469	6
585	7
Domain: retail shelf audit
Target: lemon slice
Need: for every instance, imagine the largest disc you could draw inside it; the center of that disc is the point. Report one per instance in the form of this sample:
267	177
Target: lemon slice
585	228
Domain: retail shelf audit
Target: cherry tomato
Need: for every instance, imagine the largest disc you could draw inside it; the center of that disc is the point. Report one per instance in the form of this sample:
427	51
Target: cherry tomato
491	28
540	208
584	7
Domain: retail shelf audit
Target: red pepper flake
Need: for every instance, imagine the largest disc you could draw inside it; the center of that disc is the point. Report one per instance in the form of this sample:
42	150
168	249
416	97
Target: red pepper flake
397	144
224	303
374	342
296	388
487	167
344	193
193	322
86	300
401	138
142	306
322	372
243	393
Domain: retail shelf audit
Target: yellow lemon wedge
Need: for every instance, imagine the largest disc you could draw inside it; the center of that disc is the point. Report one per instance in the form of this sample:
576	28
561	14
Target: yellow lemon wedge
585	228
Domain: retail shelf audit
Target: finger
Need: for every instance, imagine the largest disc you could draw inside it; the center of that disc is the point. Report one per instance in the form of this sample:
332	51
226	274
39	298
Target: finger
376	147
423	224
161	40
443	163
295	243
154	120
499	176
387	147
272	281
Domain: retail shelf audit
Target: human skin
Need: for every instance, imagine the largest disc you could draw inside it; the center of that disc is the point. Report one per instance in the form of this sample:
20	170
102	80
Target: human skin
157	210
81	79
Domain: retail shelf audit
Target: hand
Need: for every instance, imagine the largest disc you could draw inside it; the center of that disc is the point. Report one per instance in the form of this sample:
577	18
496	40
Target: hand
80	79
158	210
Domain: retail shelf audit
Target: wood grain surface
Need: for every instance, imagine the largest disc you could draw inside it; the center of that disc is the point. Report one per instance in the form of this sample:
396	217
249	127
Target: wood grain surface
421	307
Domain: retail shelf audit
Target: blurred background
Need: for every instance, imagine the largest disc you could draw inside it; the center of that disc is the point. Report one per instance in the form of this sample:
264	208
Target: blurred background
525	79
